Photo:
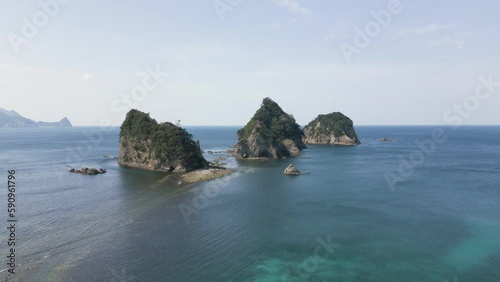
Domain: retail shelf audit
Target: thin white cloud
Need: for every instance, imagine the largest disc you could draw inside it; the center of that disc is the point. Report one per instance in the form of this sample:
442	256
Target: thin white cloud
87	76
448	40
336	33
430	28
293	6
140	74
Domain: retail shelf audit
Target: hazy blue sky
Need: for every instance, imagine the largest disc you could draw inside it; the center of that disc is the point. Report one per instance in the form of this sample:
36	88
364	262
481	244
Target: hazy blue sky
90	53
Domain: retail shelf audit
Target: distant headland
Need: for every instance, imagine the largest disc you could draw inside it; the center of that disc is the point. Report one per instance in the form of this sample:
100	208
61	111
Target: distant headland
11	119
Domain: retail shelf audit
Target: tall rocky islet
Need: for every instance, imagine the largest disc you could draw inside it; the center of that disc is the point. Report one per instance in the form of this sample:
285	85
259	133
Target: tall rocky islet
146	144
270	134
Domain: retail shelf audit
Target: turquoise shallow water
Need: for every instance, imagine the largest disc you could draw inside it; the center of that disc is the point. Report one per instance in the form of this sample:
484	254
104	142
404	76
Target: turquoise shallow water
340	222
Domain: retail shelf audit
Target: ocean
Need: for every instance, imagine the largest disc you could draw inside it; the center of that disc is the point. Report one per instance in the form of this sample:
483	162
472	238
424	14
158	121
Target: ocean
380	211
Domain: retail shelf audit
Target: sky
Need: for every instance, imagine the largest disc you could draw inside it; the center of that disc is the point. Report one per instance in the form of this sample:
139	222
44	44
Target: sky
206	62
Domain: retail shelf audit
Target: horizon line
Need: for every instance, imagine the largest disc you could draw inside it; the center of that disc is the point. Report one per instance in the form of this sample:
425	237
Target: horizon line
218	125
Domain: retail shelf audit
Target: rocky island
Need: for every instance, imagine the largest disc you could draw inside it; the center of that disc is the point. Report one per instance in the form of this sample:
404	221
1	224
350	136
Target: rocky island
88	170
291	170
147	144
334	129
270	134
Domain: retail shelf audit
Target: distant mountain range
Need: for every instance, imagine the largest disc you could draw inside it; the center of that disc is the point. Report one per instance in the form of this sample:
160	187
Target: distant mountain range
11	119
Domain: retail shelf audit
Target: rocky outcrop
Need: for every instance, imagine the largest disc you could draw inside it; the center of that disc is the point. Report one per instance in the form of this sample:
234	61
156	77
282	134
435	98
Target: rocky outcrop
88	170
11	119
270	134
205	175
146	144
334	129
291	170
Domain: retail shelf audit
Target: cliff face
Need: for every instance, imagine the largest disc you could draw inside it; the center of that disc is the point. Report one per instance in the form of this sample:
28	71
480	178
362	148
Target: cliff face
334	128
11	119
271	133
164	147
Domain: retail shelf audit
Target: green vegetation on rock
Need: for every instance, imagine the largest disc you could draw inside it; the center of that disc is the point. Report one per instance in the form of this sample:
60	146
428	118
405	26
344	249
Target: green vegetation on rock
271	133
146	144
334	128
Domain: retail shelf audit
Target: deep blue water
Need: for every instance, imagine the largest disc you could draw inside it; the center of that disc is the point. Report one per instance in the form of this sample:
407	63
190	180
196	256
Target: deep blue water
341	221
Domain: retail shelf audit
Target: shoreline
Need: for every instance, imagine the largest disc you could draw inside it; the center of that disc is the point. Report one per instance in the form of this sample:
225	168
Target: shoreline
207	174
190	177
